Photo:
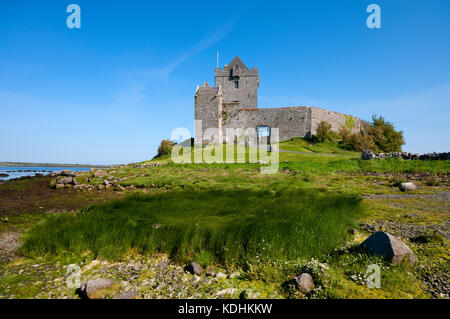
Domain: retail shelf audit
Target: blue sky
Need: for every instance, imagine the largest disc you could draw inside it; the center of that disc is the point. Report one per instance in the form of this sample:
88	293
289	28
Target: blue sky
110	91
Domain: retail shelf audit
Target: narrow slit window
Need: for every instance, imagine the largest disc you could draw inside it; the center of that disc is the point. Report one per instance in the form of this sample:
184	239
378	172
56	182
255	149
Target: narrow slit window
236	84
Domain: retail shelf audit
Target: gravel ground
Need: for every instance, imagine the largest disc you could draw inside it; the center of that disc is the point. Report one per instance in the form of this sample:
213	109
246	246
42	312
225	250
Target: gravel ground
9	243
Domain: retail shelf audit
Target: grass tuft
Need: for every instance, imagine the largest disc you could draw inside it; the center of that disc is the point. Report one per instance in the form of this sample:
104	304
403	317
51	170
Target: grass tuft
229	227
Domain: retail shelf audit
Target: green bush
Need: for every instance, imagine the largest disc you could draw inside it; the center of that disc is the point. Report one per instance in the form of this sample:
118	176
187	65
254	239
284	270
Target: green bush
355	141
378	136
325	133
165	148
385	137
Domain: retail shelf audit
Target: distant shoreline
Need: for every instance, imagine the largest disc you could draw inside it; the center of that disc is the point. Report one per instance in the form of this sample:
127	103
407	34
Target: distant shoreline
19	164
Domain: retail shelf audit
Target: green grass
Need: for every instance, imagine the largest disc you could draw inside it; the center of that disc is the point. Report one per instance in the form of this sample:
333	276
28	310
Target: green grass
229	227
298	144
319	164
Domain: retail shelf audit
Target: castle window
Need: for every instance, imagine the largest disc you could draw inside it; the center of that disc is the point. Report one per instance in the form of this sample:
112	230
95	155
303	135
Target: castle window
236	84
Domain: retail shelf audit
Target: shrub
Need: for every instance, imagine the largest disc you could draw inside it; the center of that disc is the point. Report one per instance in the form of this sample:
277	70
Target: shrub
385	137
378	136
355	141
325	133
165	148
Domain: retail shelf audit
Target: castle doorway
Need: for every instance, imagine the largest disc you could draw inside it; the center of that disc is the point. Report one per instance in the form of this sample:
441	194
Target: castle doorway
263	135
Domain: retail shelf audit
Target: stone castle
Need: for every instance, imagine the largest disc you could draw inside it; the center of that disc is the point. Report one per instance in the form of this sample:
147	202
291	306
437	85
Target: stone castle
233	103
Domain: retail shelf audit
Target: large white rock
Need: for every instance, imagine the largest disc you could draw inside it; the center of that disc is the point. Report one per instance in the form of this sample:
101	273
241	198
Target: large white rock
386	245
304	282
98	288
407	187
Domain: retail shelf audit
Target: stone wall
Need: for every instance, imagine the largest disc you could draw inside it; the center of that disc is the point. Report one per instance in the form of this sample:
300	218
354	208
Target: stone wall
368	155
291	121
337	120
208	108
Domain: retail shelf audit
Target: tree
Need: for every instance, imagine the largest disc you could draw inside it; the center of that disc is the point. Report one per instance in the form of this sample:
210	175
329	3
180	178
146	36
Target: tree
165	148
384	135
378	136
324	132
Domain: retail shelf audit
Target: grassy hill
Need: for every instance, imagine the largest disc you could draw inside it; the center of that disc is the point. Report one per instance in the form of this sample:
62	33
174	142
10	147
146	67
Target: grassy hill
229	217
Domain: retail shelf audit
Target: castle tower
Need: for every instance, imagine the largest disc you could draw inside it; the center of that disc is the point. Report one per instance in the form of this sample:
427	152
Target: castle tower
239	84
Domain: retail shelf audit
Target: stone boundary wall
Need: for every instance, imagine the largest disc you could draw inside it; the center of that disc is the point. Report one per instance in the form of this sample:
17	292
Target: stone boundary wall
368	155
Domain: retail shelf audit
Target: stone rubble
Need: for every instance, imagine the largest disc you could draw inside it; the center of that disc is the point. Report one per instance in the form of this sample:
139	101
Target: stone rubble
368	155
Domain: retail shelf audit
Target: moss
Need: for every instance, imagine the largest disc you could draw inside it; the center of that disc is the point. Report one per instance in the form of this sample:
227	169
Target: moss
349	122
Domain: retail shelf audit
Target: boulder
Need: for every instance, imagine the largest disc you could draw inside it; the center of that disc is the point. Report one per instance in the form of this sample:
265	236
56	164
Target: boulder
60	186
98	288
194	268
64	180
385	245
407	187
66	172
100	173
367	155
3	175
304	282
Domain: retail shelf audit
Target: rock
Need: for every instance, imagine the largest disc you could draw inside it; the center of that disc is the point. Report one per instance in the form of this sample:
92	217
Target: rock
220	275
249	294
407	187
64	180
68	173
209	273
386	245
60	186
93	263
98	288
194	268
233	275
100	173
163	264
304	282
3	175
367	155
368	227
126	295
